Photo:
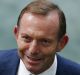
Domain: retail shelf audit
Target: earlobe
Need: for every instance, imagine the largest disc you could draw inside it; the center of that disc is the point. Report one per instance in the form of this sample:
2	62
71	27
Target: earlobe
63	42
15	30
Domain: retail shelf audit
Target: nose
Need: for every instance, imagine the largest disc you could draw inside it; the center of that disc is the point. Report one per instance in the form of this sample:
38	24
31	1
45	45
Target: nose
33	48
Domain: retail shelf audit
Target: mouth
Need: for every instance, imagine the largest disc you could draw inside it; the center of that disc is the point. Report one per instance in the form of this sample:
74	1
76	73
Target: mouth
34	60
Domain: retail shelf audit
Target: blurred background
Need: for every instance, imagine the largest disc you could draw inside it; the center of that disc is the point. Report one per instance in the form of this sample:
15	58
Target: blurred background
9	12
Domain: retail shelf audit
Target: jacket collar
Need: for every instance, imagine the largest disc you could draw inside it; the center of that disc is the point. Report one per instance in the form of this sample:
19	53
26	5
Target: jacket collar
60	66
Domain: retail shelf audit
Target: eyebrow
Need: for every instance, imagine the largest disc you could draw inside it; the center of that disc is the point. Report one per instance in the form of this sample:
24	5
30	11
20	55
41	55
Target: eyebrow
48	38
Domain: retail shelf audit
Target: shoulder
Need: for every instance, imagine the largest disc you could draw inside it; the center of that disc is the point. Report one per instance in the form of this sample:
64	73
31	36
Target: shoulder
6	55
9	61
68	66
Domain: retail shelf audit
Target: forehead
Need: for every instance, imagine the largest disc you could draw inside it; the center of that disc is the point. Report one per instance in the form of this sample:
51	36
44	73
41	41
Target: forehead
40	23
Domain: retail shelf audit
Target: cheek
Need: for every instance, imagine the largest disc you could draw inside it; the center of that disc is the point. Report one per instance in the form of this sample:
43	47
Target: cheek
22	44
52	49
49	51
22	47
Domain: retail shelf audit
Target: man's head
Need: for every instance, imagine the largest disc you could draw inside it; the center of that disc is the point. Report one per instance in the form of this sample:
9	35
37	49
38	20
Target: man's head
40	33
43	7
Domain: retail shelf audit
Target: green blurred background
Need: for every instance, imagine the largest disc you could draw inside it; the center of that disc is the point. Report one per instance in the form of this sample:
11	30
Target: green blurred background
10	9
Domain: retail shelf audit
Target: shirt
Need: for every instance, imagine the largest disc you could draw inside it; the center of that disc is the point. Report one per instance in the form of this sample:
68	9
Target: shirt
51	71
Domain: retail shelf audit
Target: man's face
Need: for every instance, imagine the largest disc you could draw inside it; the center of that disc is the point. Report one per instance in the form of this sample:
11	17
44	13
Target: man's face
37	40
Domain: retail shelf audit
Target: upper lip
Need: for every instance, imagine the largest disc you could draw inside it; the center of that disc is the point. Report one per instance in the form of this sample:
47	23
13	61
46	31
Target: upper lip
34	58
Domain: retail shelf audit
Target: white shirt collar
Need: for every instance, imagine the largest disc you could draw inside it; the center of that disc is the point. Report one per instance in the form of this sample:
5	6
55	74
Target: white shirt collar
51	71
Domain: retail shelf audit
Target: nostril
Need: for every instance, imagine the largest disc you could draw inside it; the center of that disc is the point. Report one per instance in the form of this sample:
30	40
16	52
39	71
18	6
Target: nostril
34	52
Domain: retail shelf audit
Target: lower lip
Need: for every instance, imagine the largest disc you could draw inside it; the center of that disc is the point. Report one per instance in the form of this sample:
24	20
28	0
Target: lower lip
33	62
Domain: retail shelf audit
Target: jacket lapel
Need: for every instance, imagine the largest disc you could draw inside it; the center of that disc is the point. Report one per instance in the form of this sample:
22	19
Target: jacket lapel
59	66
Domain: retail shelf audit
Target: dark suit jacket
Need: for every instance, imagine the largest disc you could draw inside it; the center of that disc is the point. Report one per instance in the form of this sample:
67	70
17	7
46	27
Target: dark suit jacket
9	62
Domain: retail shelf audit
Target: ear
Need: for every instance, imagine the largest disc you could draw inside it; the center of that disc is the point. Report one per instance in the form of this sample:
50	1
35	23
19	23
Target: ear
16	31
62	42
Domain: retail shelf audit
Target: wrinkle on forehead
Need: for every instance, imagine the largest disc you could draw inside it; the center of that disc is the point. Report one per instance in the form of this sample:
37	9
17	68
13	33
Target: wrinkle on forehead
38	23
51	17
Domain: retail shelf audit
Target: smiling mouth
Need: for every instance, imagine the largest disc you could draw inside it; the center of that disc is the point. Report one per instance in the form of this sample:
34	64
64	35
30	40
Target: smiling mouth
33	60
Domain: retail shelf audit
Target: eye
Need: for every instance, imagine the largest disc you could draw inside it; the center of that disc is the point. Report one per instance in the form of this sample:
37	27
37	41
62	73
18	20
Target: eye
45	42
26	39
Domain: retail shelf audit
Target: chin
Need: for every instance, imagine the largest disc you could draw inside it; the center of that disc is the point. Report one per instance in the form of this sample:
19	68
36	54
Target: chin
34	69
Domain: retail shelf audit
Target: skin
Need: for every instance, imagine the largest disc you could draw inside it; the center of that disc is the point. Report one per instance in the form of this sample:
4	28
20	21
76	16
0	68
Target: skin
37	39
